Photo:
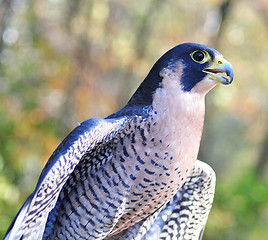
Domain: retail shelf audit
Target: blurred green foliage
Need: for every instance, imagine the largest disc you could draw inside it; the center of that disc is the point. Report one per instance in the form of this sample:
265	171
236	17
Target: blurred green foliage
240	210
62	62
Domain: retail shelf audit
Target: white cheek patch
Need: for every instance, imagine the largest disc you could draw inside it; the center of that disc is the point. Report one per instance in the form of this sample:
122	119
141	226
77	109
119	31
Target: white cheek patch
172	76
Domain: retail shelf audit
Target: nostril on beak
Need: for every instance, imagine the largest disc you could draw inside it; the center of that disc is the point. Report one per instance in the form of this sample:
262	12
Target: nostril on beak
220	62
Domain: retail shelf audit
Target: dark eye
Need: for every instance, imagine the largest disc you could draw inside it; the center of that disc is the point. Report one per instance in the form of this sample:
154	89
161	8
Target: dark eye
198	56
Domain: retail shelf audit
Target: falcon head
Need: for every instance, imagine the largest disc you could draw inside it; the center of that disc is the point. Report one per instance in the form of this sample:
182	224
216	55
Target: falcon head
197	67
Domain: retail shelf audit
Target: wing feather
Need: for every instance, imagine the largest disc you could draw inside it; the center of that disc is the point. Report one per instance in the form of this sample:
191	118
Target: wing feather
185	216
31	219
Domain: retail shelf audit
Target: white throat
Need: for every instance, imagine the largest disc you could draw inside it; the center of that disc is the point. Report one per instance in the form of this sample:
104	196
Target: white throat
179	118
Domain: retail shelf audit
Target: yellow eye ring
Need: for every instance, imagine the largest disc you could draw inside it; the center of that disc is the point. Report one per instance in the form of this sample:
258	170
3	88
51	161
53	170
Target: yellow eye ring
200	56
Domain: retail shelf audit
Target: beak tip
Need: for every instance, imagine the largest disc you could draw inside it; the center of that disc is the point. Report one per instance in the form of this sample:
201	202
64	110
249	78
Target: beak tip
230	74
228	69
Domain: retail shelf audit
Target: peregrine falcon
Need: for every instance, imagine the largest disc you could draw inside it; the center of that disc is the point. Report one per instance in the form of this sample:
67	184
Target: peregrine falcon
135	174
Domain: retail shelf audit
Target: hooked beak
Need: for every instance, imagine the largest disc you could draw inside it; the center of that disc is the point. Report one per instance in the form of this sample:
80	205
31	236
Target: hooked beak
220	71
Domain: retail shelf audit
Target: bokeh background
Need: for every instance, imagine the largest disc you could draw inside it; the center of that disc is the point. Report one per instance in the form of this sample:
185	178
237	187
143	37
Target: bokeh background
62	62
